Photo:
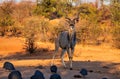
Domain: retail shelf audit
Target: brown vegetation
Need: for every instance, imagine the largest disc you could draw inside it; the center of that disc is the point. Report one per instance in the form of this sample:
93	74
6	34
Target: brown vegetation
96	25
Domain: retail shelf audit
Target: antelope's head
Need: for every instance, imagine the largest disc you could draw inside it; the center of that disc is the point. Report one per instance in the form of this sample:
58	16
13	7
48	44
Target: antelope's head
72	22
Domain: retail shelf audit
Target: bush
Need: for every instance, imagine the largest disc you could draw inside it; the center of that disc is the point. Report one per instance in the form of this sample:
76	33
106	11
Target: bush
6	9
56	26
30	44
52	9
115	11
30	31
43	29
116	37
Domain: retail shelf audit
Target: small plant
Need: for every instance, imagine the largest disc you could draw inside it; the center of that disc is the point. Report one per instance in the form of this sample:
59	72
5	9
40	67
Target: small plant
30	31
30	44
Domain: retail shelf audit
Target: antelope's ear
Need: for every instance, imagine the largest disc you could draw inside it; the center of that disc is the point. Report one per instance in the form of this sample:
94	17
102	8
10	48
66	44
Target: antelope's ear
68	19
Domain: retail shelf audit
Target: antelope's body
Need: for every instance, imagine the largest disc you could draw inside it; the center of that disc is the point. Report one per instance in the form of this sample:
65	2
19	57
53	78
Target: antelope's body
66	40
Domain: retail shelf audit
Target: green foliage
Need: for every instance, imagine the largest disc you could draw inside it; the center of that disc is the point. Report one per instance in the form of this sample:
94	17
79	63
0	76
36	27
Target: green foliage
115	10
52	9
7	21
84	9
90	29
116	37
115	1
46	7
38	10
5	16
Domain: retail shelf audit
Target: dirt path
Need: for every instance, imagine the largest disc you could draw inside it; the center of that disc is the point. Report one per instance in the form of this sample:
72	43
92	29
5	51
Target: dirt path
100	61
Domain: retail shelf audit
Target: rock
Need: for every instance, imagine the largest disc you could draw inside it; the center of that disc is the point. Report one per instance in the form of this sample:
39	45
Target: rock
38	75
53	69
15	75
8	66
55	76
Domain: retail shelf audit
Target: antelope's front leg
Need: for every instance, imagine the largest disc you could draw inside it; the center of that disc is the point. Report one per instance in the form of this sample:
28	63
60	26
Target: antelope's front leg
62	57
71	58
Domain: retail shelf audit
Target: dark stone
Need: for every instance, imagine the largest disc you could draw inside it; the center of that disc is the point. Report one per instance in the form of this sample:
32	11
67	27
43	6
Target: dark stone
84	72
53	69
55	76
38	75
8	66
91	71
15	75
77	76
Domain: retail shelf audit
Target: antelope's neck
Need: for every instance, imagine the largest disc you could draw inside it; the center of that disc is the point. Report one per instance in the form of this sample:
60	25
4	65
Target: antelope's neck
71	33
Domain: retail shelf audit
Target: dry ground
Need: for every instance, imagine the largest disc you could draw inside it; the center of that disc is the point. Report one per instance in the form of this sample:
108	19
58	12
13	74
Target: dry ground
100	61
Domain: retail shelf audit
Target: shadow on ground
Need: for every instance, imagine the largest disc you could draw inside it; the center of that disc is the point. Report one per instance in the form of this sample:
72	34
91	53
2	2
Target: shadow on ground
42	53
96	70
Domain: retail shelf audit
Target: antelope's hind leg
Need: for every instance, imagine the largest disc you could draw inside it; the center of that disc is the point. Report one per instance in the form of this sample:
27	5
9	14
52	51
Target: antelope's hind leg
62	57
55	52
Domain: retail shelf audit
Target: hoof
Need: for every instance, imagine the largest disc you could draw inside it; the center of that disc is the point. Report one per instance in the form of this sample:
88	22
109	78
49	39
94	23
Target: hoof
71	68
65	67
77	76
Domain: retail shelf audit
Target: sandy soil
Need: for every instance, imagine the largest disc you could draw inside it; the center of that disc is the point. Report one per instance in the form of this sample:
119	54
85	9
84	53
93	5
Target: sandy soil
100	61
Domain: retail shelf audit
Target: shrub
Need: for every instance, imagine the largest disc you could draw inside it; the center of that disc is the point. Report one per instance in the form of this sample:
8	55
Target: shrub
116	37
115	11
43	29
6	9
30	31
56	26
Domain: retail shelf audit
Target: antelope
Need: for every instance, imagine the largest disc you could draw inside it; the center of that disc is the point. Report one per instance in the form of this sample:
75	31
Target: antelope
66	40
